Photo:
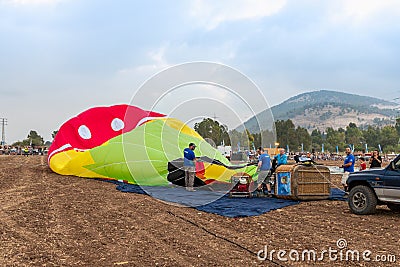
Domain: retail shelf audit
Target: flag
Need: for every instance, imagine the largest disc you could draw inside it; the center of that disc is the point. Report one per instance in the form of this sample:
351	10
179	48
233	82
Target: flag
287	148
302	148
337	149
351	147
366	148
380	148
322	148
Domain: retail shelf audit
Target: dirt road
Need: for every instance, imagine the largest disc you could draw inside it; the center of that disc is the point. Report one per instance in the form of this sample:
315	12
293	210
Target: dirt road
52	220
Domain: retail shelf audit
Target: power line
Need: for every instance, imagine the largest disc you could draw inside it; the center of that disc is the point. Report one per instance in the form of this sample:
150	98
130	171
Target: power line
215	117
3	130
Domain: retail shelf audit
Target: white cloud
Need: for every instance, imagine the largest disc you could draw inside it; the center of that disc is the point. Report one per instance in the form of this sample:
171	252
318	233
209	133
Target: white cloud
158	59
363	11
169	55
210	14
157	62
225	50
29	2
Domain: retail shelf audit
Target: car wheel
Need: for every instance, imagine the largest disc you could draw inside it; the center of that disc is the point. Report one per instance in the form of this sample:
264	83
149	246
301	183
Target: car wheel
393	206
362	200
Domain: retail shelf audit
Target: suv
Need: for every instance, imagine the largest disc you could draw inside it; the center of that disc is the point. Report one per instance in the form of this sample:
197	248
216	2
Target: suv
375	187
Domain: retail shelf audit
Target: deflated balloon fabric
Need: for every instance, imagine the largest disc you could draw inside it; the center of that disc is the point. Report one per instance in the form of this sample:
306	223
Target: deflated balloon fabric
127	143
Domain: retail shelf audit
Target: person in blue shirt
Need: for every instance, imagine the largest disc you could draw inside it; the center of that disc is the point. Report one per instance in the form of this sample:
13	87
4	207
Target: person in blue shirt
189	166
264	166
281	158
348	167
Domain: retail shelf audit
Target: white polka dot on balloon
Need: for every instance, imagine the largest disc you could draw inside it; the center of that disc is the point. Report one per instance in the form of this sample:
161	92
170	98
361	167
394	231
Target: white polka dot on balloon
117	124
84	132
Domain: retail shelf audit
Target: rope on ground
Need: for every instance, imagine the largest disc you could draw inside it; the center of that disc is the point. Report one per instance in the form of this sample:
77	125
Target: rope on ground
222	237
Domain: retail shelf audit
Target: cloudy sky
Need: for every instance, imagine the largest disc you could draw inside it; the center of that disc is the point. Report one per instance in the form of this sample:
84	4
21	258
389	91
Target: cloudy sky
60	57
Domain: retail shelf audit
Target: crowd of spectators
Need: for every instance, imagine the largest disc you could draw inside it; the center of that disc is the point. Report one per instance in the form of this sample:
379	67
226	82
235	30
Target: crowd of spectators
22	150
319	156
338	157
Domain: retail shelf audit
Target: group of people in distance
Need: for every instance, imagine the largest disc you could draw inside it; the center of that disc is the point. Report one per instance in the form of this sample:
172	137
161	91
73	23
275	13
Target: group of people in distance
348	164
266	166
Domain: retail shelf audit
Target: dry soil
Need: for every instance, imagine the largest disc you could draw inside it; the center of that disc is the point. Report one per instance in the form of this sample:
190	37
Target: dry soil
51	220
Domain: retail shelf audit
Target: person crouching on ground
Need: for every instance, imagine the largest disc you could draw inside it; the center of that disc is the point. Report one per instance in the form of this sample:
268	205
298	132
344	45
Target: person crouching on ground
264	166
348	166
189	166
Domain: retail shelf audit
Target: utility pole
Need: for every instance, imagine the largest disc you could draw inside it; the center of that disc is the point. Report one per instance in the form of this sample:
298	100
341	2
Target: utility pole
3	130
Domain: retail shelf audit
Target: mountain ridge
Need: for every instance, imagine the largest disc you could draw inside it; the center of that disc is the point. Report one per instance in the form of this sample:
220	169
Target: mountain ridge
326	108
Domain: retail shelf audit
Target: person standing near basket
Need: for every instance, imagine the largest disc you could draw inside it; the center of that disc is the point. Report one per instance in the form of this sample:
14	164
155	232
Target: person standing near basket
189	166
264	166
281	158
348	166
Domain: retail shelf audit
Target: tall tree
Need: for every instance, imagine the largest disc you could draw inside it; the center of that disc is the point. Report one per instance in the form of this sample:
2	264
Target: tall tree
34	138
389	137
354	136
240	139
250	138
286	133
257	140
268	138
209	128
53	135
372	135
316	139
334	138
397	125
224	135
303	137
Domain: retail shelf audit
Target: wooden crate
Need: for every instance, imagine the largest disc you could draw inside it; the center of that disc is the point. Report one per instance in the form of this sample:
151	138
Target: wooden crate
302	182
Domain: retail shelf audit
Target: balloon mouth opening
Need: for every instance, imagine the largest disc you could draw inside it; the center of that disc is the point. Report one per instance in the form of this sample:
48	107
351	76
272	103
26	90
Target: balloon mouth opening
60	149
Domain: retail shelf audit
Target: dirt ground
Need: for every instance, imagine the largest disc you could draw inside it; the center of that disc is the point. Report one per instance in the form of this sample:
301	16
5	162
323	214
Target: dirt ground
52	220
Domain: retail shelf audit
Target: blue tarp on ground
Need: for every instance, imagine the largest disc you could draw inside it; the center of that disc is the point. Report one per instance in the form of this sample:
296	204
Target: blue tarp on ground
216	202
337	194
212	202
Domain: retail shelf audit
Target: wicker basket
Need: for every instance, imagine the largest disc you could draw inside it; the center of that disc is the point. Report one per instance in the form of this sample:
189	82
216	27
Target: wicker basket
302	182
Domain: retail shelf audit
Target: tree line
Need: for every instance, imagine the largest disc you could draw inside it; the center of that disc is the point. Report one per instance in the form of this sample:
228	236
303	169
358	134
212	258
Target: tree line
370	138
34	139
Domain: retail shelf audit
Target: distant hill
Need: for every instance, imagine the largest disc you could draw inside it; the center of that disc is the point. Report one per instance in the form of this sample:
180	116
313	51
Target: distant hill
322	109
